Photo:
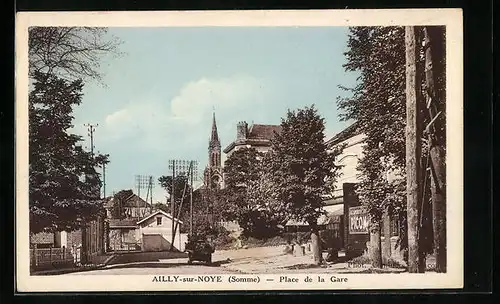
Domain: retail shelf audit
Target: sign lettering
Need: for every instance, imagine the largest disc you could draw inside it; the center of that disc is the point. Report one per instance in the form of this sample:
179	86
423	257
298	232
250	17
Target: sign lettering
358	220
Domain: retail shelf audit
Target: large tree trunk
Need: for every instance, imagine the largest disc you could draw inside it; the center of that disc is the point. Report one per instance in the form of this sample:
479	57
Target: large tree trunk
375	245
439	207
413	150
433	53
316	244
386	253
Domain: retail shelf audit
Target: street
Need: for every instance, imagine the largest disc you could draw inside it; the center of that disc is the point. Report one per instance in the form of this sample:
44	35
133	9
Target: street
253	260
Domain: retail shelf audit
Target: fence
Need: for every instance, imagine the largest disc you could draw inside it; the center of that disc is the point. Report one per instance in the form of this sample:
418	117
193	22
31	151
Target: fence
48	257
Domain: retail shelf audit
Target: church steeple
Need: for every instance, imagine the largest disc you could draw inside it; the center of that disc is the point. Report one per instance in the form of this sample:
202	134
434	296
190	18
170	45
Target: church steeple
214	138
214	146
213	171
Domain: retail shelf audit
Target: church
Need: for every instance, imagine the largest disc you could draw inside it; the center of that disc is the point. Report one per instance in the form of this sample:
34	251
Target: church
257	136
213	175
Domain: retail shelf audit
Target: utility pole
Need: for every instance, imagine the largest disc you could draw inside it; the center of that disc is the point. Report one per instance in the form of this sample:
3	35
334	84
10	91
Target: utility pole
91	131
85	240
194	169
413	149
186	169
104	179
172	166
149	194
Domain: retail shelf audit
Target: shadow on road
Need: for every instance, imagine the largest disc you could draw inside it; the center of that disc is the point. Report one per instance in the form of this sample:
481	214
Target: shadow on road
169	265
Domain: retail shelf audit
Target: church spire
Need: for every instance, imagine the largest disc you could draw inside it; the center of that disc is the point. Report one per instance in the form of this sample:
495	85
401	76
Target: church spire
215	136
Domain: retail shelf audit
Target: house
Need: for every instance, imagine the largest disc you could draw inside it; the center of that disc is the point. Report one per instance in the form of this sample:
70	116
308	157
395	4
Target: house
150	233
133	206
258	136
122	234
155	232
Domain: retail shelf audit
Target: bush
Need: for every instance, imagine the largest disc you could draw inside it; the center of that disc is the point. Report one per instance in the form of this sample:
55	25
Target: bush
252	242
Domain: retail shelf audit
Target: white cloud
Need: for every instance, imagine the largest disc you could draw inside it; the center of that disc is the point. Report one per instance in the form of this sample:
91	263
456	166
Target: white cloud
146	119
184	122
197	98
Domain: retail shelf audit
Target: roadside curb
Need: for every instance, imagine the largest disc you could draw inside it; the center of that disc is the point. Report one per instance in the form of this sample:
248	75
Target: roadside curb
65	271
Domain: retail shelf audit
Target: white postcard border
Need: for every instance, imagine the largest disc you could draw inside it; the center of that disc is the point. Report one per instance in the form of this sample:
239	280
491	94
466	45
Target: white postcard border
452	18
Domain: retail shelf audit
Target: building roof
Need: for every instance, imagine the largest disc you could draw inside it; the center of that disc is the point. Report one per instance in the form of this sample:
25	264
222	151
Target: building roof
42	238
132	201
156	213
258	135
348	132
263	131
122	223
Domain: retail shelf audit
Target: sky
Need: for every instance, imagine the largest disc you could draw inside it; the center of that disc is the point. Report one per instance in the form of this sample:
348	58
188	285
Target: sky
158	97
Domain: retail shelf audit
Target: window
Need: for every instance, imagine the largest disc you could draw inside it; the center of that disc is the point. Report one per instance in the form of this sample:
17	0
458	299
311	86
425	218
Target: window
158	221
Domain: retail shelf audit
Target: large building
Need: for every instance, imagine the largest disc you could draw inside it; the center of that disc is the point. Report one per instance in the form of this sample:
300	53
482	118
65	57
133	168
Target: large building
256	136
354	219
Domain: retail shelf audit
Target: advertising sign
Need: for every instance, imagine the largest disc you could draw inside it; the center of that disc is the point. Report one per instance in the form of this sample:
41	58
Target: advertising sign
358	220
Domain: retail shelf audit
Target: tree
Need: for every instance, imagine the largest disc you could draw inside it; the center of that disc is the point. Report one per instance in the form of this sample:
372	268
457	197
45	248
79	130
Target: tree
181	187
244	196
435	92
303	170
378	105
162	207
69	52
118	208
64	185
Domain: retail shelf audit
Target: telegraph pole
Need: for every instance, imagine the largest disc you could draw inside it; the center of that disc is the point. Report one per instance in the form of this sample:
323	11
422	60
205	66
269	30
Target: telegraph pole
104	179
172	201
91	130
181	168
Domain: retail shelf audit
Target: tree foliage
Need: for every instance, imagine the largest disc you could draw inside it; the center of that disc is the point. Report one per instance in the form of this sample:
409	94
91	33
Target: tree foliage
378	105
303	171
64	185
118	208
246	197
181	188
69	52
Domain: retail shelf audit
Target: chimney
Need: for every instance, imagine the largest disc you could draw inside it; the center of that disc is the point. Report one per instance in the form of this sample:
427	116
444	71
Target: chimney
241	130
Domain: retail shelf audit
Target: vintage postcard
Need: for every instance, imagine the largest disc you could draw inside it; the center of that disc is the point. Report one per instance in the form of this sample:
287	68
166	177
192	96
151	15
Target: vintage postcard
239	150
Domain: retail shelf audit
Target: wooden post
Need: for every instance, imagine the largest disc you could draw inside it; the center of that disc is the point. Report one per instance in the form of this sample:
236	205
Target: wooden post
315	244
437	153
387	252
50	254
413	149
35	252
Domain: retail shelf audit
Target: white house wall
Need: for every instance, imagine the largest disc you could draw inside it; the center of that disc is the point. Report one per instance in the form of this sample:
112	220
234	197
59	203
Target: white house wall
349	159
165	229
